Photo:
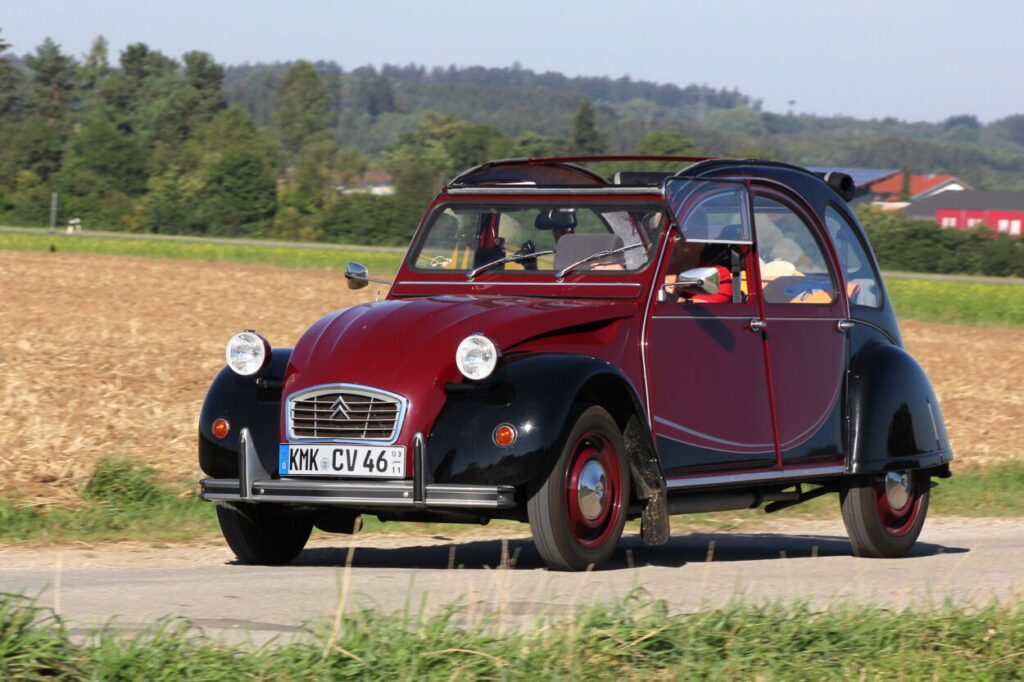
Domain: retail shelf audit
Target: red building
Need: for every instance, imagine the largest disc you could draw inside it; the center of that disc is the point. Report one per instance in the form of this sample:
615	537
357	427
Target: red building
1001	211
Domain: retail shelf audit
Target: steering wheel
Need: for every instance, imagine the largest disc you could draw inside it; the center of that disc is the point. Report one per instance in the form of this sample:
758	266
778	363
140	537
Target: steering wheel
437	261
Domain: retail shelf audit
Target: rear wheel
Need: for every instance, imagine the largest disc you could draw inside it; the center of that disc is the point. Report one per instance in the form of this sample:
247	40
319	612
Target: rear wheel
577	514
263	533
884	514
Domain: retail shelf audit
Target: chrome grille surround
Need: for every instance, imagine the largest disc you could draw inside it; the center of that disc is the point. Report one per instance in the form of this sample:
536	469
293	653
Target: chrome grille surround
367	415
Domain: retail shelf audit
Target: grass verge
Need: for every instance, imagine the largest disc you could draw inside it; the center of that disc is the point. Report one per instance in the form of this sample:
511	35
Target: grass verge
951	302
634	639
124	500
382	263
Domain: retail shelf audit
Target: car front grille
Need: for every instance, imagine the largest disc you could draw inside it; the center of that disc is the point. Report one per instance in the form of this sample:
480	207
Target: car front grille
345	413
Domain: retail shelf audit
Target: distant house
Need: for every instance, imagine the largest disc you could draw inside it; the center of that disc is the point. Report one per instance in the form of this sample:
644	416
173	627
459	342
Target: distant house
888	193
1001	211
380	184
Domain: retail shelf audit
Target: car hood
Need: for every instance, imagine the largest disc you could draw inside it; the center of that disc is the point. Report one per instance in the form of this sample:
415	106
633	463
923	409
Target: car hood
402	344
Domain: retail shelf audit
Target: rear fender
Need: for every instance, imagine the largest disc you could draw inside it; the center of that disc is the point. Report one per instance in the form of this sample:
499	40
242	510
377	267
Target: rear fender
245	402
895	421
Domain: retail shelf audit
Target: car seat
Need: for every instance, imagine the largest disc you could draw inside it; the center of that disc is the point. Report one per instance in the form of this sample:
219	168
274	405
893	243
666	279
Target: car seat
574	247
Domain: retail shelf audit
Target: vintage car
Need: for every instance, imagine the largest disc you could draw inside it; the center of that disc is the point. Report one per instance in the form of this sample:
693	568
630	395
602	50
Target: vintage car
575	349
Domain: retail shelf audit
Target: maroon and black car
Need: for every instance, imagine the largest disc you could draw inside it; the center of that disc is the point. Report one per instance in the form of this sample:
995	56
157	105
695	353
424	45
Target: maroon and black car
575	349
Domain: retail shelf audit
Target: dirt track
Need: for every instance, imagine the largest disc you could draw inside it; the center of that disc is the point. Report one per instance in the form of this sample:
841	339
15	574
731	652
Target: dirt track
113	354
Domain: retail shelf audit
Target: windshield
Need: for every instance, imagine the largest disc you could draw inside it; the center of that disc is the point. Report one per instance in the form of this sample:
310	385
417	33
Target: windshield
534	237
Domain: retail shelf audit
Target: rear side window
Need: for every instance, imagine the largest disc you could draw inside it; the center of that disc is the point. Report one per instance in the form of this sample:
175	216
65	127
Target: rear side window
861	280
793	266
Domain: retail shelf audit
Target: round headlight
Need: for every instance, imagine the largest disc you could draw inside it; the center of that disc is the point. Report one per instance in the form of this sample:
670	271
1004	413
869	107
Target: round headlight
247	352
476	357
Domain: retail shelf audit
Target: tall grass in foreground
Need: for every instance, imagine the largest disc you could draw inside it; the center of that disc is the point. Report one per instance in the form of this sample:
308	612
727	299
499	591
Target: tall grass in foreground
634	639
125	500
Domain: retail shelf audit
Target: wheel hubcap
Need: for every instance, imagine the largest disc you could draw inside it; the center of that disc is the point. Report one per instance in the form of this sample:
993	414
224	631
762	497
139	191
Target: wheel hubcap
897	489
590	490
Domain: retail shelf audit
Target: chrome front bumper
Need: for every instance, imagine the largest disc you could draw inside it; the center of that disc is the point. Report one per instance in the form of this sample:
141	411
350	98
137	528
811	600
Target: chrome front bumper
255	484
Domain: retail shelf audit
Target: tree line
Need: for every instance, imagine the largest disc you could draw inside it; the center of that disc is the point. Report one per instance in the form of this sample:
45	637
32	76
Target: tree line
149	143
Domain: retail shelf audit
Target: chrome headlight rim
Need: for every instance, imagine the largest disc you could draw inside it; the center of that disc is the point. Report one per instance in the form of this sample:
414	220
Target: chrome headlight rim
477	356
247	353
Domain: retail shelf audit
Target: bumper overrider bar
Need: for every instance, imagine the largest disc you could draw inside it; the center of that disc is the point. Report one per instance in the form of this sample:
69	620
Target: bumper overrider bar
255	484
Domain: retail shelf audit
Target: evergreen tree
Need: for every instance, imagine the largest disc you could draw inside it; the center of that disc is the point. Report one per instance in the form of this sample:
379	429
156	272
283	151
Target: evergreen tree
586	138
96	66
207	77
140	63
52	77
10	80
303	107
376	95
112	160
239	193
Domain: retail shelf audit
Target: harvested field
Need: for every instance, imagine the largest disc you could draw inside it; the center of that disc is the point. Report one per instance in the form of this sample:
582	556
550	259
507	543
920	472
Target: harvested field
113	354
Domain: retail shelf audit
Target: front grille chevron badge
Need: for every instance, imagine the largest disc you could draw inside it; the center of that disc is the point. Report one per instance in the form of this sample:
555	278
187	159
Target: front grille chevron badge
340	407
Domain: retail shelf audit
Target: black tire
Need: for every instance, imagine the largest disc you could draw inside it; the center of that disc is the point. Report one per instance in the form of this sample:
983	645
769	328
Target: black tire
577	526
884	514
264	533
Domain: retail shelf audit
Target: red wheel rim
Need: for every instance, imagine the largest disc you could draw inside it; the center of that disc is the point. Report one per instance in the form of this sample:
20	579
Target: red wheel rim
898	498
593	490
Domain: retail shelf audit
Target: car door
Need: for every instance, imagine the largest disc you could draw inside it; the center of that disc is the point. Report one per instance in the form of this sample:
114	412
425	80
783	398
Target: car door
705	362
804	304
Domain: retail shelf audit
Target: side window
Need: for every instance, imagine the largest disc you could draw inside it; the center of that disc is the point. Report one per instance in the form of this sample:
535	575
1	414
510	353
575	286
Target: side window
794	268
861	280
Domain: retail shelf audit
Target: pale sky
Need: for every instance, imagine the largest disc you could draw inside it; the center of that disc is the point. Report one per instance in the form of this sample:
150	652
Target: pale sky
911	59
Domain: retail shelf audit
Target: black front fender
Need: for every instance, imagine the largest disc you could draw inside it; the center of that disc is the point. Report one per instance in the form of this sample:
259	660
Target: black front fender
245	402
537	396
895	421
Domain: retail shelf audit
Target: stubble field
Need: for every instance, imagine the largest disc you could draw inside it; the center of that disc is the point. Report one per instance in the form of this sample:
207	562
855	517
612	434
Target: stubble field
112	355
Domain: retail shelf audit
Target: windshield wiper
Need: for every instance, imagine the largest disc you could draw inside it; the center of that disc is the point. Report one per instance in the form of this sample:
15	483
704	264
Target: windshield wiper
514	258
560	275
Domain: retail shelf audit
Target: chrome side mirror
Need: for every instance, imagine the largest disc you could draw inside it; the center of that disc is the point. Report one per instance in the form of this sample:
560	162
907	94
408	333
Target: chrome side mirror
704	280
357	276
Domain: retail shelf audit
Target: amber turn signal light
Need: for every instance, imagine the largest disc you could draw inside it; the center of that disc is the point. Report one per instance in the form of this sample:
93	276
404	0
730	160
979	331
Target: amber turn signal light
220	428
505	435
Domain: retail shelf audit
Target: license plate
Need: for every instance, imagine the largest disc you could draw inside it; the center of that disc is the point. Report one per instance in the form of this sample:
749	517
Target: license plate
339	459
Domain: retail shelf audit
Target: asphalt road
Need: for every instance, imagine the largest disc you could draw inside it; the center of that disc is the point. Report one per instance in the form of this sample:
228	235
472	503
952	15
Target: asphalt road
962	560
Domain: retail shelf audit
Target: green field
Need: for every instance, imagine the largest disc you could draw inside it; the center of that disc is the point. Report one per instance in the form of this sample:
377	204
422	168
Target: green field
953	302
636	639
956	302
382	262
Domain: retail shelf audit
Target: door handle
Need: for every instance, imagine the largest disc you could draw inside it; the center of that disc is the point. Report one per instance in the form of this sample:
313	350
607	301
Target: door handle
843	325
757	325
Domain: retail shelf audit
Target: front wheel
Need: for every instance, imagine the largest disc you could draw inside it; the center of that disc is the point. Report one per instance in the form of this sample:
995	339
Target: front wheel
264	533
884	514
577	513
